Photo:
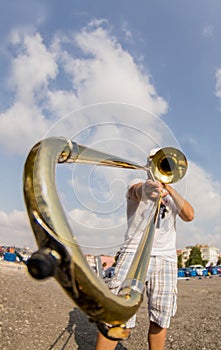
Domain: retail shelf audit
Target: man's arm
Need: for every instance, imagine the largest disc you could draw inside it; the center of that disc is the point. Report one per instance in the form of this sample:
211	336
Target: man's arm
143	191
185	209
151	190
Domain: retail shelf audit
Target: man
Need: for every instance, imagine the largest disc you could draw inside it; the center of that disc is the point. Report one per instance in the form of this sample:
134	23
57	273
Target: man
161	279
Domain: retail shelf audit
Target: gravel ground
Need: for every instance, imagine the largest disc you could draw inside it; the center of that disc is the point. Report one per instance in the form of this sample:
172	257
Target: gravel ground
39	316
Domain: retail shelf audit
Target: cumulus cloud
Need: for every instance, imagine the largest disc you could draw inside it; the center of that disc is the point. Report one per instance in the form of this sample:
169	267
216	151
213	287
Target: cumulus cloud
51	84
198	178
93	68
32	69
95	232
15	229
49	81
204	194
100	228
123	81
23	123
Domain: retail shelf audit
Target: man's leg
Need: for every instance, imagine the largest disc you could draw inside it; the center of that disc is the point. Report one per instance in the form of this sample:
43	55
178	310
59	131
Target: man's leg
121	269
161	294
156	337
105	344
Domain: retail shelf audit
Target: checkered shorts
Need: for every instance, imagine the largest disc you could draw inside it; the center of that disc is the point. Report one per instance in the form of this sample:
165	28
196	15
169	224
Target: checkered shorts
161	288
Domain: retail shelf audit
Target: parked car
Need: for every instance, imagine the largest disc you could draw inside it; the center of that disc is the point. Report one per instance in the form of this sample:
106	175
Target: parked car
193	272
214	270
200	270
218	269
184	272
187	272
181	273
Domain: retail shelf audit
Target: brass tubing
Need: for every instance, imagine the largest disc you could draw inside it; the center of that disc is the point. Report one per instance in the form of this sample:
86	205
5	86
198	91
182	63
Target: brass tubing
90	293
54	237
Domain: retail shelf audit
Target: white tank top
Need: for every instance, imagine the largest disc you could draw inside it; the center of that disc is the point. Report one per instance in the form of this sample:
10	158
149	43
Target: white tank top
138	213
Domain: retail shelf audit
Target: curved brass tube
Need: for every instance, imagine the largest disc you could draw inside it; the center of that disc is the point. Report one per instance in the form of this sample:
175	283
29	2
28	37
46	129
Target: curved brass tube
59	254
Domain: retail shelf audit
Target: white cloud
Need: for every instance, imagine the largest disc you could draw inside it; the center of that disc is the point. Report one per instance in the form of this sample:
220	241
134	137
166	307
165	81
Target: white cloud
15	229
85	68
92	67
103	71
94	232
208	31
100	231
203	193
20	127
23	123
126	30
91	220
203	190
61	102
32	69
95	226
109	73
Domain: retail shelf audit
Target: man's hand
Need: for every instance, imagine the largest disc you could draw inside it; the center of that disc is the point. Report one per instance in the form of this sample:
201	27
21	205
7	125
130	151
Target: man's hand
152	190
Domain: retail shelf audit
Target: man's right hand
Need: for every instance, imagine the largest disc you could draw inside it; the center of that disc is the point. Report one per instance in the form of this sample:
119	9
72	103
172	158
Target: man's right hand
152	190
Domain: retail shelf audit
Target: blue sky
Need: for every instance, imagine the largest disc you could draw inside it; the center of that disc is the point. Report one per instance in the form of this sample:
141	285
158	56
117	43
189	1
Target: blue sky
77	65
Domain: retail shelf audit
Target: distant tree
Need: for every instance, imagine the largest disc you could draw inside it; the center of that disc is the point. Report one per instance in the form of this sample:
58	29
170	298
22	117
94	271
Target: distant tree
219	261
180	260
205	262
195	257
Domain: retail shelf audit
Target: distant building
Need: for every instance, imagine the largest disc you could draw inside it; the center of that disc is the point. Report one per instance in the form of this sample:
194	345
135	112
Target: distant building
21	253
100	262
208	253
107	261
185	254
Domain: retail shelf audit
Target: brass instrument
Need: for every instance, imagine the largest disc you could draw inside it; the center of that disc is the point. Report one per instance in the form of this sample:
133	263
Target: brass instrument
59	254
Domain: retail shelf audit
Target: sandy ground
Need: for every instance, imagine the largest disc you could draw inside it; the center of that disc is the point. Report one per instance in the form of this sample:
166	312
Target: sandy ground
39	316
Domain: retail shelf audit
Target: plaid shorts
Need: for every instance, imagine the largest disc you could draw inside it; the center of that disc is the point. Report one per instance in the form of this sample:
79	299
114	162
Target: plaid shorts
161	288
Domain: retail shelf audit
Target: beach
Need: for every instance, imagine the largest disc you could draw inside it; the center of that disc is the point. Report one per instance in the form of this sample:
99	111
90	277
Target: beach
38	315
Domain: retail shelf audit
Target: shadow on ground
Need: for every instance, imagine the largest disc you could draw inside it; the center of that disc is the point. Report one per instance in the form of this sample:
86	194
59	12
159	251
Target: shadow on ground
82	330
